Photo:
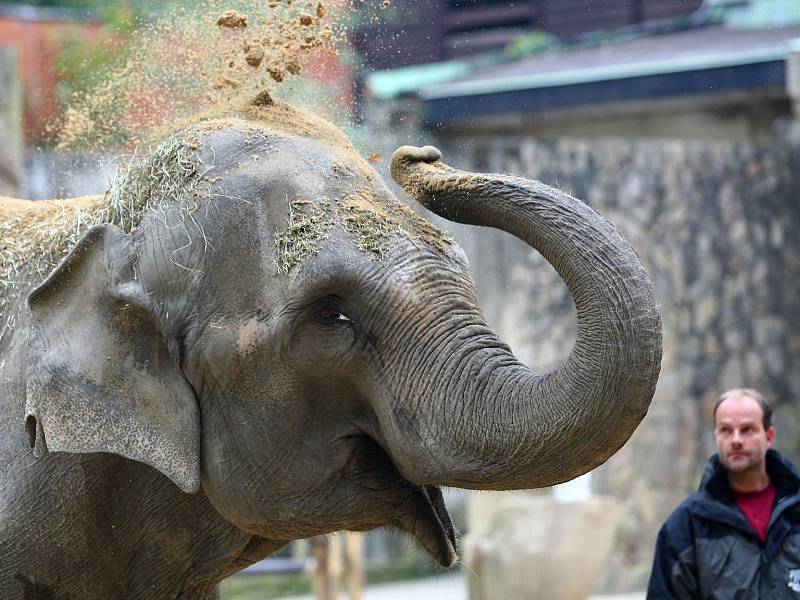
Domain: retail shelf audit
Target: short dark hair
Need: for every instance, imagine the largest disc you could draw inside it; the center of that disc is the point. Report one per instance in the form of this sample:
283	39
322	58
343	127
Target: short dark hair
766	409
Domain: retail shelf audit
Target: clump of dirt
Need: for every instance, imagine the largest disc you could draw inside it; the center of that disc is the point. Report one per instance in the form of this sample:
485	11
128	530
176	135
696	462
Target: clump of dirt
232	19
199	59
254	54
373	222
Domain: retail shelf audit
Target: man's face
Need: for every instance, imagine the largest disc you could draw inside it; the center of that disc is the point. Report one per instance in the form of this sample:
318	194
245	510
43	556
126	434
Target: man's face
741	438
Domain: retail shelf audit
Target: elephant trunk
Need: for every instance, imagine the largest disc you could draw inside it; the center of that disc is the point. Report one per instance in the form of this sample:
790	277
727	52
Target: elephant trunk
506	427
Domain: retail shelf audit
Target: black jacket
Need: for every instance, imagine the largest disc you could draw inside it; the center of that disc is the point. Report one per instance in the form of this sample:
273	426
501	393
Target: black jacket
708	550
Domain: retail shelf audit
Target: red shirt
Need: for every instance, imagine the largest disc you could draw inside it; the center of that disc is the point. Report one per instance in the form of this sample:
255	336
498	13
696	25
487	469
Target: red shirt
757	508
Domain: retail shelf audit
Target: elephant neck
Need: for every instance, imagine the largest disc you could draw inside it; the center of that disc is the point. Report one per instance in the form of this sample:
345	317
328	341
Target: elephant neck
127	532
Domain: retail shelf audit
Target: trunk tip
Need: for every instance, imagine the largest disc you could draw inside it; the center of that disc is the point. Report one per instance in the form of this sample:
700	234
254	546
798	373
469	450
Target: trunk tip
406	154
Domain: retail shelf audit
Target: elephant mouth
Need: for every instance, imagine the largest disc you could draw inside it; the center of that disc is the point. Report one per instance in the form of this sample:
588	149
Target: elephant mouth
421	511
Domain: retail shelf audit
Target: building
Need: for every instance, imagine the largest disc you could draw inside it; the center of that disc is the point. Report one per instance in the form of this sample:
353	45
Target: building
411	32
38	33
720	72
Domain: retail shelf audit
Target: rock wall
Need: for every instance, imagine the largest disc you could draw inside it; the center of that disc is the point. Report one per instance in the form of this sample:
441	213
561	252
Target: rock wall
715	225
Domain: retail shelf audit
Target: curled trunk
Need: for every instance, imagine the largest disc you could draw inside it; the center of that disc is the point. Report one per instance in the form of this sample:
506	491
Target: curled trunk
550	428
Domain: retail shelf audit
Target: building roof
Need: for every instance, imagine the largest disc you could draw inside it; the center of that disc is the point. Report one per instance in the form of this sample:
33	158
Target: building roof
696	49
726	47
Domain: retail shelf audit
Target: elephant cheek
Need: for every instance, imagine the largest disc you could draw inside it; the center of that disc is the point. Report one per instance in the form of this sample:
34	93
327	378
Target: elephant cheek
248	340
217	360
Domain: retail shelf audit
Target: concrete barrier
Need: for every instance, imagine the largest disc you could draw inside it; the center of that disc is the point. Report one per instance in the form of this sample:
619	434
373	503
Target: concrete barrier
536	548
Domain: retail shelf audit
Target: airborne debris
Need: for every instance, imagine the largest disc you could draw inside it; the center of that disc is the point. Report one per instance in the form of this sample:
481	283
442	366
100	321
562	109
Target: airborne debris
232	19
254	54
199	58
262	99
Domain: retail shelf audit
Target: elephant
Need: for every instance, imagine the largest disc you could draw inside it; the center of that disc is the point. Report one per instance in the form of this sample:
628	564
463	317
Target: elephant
248	340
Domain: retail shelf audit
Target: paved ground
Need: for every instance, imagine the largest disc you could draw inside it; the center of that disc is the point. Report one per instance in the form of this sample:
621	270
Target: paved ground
446	587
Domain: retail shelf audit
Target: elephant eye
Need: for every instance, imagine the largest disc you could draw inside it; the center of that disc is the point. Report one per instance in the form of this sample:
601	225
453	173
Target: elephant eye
328	313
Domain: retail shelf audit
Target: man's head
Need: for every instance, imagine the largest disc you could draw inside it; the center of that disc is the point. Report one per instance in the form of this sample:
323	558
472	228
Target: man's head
743	431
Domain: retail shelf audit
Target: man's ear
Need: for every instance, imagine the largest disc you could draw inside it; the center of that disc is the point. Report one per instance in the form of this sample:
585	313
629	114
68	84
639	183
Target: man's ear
770	436
101	376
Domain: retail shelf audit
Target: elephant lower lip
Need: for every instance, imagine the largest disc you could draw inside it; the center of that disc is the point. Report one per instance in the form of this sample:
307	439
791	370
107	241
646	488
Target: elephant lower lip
430	523
419	510
436	500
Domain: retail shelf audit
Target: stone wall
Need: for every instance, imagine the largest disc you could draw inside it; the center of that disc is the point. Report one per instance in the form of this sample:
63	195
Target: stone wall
715	225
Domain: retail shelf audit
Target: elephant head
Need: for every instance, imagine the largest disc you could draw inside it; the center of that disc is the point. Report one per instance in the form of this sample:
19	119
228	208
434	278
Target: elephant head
256	317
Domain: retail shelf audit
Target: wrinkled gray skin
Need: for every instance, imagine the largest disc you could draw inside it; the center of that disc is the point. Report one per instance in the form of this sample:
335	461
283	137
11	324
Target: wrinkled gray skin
193	415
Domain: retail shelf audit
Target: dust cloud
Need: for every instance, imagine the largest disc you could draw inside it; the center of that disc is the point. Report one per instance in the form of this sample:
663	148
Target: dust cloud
199	61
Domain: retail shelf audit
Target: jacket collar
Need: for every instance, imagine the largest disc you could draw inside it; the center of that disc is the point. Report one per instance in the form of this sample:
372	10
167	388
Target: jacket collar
715	498
783	474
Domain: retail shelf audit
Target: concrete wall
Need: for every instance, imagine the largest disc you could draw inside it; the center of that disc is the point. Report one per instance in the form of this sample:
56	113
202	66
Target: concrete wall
713	223
733	116
10	123
51	174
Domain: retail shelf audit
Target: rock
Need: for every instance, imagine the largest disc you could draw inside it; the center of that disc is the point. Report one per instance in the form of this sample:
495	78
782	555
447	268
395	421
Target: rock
535	547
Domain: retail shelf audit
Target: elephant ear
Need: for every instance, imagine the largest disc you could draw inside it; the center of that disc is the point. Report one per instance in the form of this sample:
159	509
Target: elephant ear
101	376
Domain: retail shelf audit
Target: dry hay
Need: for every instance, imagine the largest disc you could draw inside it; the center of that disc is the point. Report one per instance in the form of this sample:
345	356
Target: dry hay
306	225
371	223
36	235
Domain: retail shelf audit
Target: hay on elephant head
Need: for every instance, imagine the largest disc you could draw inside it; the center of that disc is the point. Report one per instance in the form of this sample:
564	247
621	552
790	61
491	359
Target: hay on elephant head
36	235
306	225
371	223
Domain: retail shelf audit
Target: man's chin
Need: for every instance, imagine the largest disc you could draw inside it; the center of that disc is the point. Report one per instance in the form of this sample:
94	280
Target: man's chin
737	465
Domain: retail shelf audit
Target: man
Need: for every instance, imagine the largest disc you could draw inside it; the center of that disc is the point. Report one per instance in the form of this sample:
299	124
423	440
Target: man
738	535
